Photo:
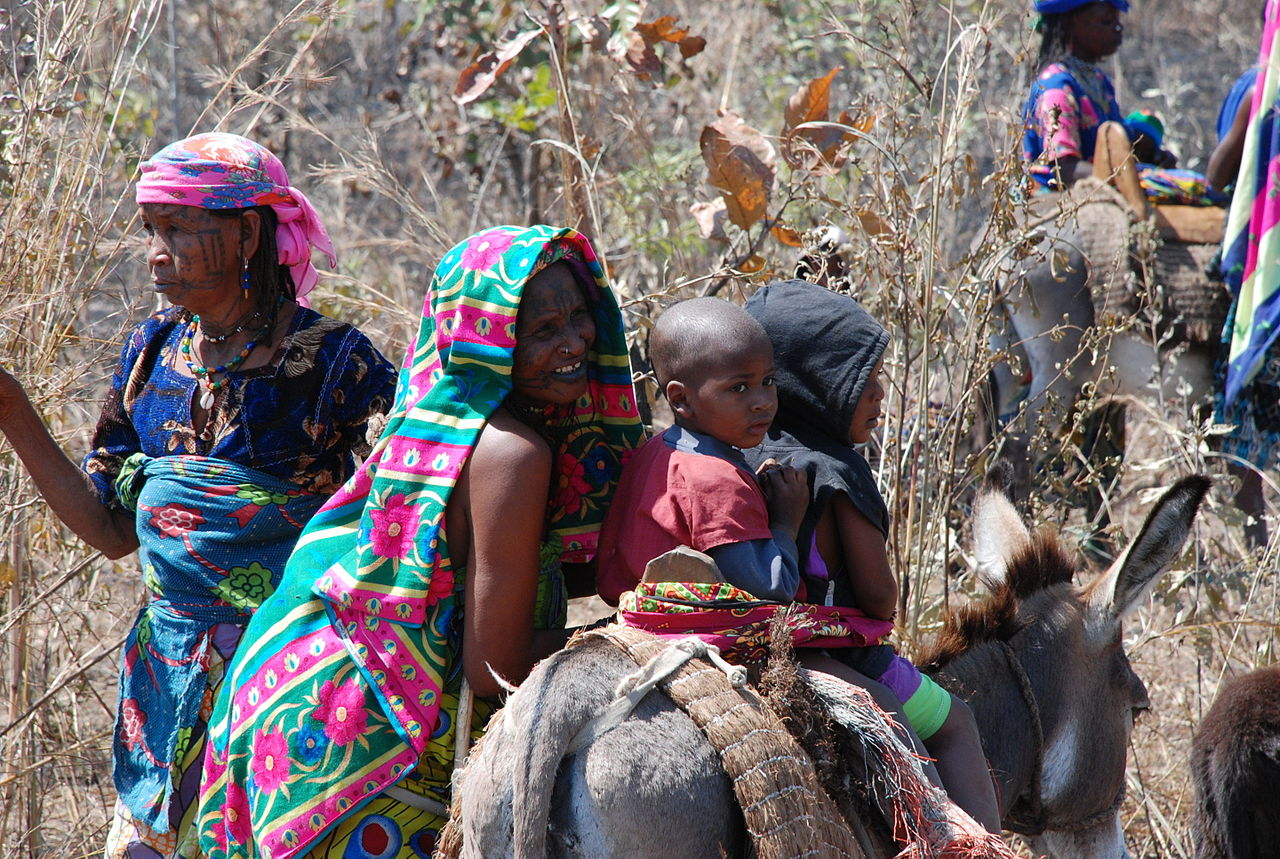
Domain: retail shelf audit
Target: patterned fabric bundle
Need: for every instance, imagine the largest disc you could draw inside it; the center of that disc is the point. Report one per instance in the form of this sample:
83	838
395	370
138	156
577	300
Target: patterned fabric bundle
1251	245
737	623
1058	7
226	171
213	541
1179	186
343	682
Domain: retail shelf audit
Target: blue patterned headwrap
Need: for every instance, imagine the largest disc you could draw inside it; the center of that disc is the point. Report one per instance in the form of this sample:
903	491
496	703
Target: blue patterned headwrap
1058	7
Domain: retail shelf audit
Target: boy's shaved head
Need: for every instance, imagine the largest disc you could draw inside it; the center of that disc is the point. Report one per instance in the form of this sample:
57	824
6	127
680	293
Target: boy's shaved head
698	332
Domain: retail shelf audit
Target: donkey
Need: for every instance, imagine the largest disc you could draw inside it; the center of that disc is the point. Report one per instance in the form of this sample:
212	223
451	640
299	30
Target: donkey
1235	770
1040	661
1074	275
1080	270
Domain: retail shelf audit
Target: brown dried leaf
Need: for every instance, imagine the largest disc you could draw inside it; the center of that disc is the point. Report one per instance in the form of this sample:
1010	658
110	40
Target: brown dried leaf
661	30
787	236
710	217
643	38
691	46
815	148
811	102
741	164
642	59
872	223
480	75
752	264
822	148
863	125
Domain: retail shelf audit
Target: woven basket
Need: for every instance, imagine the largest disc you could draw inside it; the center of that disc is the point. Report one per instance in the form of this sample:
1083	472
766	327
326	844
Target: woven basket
1192	307
1132	272
786	811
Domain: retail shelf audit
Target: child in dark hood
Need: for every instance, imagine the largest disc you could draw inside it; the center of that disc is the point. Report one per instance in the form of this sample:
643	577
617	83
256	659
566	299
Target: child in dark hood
829	360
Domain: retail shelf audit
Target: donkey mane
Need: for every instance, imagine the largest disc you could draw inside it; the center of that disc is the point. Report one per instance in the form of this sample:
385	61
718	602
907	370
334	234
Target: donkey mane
1039	564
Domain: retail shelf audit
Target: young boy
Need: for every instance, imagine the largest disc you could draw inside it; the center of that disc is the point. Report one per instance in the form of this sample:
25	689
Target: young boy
690	485
828	380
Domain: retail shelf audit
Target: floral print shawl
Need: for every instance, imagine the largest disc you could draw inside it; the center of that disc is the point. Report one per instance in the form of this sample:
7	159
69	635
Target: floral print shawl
337	691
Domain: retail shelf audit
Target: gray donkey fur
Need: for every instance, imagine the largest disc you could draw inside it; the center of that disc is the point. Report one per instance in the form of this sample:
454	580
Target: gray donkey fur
653	786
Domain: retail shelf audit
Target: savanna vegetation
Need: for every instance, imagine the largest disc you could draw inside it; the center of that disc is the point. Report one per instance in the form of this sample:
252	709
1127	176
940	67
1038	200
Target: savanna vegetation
706	147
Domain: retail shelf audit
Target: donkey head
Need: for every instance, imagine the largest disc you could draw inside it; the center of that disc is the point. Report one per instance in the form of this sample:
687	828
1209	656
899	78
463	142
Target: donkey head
1043	665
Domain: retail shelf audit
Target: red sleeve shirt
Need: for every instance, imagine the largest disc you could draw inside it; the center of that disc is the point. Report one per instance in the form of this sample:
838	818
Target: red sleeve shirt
672	495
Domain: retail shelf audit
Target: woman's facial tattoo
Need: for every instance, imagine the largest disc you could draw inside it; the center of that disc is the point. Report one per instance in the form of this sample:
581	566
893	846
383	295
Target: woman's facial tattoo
190	251
554	333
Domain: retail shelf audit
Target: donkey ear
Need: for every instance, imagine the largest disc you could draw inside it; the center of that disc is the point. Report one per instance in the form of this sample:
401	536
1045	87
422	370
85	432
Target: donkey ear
1157	544
998	530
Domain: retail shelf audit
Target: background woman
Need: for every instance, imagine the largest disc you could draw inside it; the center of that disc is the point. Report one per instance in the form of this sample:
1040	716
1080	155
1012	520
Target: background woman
444	557
1071	97
231	416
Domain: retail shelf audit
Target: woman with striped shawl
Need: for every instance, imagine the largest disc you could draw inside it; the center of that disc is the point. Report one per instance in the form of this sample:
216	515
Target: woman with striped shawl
1249	394
447	557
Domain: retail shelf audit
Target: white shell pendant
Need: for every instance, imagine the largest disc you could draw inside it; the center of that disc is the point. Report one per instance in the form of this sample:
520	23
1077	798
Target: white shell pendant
206	398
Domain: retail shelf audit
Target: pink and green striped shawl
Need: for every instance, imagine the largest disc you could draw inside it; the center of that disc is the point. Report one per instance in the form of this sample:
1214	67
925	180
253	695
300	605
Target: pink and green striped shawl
341	683
1251	244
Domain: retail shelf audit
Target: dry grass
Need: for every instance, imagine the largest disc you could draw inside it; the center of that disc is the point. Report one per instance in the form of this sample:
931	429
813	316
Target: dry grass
355	97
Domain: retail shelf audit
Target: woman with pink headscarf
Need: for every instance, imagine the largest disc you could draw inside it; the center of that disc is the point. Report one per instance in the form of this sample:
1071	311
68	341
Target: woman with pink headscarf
233	414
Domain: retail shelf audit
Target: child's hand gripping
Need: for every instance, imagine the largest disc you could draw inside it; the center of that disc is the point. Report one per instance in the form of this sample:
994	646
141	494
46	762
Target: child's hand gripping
787	491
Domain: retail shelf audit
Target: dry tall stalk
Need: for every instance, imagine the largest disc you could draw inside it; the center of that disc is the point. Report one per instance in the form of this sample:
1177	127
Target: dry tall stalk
356	98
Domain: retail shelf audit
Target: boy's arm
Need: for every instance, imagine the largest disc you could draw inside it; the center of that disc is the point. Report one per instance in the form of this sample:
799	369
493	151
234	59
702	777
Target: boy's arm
866	562
767	569
770	568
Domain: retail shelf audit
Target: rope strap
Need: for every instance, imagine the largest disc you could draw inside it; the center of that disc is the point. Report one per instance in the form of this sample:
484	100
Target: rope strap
632	688
785	809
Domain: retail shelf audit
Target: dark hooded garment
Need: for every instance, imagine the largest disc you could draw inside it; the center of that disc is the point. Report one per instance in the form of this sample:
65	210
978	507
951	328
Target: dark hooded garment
825	347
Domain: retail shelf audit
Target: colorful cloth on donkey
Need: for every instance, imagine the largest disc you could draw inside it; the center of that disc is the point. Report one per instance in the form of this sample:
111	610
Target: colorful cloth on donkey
343	687
214	537
739	624
1178	186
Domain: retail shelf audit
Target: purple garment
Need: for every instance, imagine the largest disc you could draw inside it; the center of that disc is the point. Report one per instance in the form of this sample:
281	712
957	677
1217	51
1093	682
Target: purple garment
1231	104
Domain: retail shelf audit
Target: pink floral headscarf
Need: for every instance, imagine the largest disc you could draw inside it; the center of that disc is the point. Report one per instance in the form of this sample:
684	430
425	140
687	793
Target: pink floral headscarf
226	171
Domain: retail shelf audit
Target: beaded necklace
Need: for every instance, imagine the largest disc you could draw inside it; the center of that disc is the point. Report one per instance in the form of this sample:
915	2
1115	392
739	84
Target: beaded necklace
227	335
204	375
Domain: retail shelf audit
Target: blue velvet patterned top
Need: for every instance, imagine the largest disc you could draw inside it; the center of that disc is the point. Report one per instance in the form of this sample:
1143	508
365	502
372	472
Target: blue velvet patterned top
302	417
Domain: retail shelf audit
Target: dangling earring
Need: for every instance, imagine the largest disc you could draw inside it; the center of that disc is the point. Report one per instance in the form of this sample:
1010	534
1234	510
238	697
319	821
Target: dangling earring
244	280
